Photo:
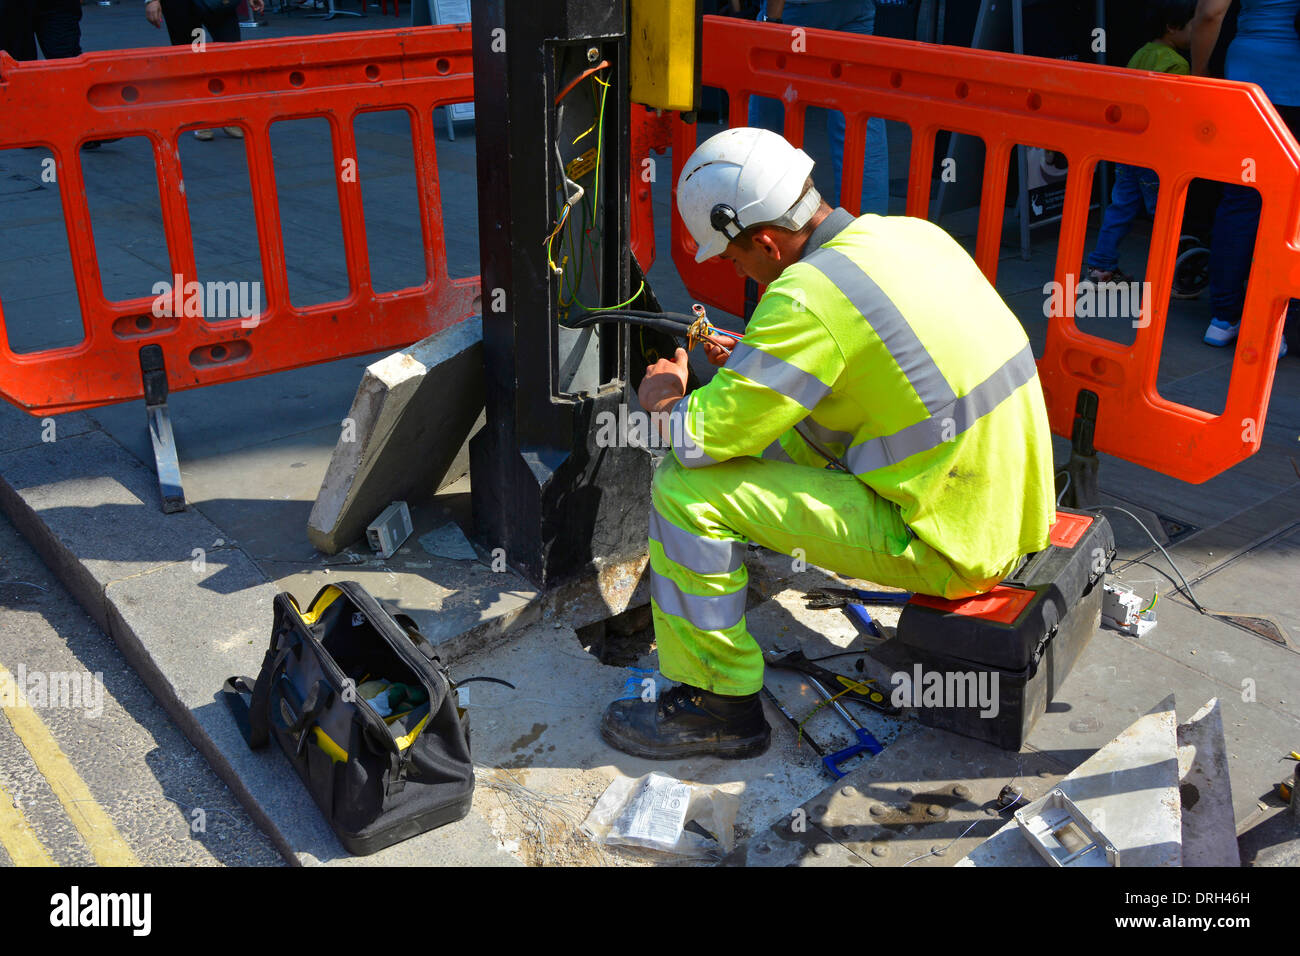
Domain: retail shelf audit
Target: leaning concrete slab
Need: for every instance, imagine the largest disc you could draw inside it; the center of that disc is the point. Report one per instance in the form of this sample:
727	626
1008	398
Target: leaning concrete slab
1128	789
408	424
1205	791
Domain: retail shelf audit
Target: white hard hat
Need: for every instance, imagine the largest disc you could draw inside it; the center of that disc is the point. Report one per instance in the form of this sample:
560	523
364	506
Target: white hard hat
739	178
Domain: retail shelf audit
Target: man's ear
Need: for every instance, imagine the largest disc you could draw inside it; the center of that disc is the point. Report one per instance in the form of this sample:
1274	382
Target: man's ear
765	240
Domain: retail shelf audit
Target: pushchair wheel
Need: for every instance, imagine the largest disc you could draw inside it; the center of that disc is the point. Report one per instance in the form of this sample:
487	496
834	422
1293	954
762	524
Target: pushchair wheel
1191	272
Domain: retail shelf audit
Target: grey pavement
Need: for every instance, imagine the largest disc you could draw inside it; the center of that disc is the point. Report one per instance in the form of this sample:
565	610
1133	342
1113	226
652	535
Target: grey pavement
166	802
187	595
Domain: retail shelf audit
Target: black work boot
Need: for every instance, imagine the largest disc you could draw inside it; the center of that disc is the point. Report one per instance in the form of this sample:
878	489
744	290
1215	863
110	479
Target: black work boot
685	722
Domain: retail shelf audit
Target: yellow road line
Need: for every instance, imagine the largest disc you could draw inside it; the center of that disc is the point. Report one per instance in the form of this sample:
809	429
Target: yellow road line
17	836
105	843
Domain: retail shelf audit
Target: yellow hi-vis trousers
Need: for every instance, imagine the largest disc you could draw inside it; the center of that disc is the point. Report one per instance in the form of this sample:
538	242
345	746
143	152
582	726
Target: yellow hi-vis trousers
700	522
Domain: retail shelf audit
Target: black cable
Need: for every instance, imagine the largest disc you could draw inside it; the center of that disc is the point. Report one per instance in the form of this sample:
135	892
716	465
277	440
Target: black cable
679	320
493	680
650	320
1186	586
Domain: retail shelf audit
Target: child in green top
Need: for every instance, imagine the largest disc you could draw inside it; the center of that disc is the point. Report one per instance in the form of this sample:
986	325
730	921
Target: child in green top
1170	22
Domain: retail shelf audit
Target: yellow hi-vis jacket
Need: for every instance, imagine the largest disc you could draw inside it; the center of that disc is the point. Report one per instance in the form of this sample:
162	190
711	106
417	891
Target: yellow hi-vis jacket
888	347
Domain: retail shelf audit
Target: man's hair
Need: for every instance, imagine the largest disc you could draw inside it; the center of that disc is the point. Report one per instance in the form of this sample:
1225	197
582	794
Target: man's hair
1163	15
746	238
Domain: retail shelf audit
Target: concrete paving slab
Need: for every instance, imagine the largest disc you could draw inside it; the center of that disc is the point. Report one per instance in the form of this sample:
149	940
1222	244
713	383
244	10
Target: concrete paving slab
20	430
1212	547
92	512
1203	505
261	495
44	322
213	421
1260	581
1227	655
1128	790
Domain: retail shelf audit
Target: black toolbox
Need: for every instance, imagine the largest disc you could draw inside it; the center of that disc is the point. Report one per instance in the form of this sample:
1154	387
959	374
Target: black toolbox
1015	644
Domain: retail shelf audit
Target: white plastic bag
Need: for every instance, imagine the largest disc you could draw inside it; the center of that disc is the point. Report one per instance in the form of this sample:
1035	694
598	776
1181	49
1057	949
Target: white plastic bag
662	813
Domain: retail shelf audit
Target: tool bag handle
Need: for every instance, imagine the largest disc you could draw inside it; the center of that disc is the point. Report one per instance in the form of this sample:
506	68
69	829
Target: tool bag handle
252	715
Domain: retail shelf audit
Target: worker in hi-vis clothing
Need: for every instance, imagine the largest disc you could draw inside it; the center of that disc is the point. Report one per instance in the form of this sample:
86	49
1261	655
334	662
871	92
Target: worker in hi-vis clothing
882	418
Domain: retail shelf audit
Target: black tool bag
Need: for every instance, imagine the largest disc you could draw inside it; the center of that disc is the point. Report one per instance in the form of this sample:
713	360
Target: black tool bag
378	780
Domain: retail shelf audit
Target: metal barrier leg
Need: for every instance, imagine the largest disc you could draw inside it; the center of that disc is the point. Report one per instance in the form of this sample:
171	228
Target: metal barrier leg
153	372
1082	469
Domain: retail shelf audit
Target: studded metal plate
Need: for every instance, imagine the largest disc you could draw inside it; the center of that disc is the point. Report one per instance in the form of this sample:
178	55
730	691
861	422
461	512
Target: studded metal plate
927	800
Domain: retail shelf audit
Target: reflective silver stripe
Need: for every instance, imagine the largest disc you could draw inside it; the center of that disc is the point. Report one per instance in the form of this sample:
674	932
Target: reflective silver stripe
706	613
688	453
826	436
778	375
774	452
701	555
946	423
889	325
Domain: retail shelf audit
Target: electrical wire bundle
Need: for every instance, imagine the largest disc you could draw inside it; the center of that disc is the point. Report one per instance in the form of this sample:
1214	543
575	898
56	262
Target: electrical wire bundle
572	263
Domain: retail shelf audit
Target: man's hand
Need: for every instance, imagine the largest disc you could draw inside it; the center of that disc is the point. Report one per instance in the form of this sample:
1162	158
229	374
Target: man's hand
664	385
718	348
153	13
257	6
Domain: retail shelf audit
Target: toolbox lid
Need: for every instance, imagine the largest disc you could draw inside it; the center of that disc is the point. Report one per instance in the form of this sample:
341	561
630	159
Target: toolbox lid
1070	526
1003	604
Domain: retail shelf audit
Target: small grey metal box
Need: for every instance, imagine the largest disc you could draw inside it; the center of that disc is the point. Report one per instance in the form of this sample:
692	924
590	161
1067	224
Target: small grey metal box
387	532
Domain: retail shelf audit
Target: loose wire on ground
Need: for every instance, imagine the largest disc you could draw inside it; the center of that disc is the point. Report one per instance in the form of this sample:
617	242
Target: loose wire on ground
1185	586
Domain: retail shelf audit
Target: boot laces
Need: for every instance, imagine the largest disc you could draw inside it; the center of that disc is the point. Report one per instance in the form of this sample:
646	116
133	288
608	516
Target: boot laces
677	698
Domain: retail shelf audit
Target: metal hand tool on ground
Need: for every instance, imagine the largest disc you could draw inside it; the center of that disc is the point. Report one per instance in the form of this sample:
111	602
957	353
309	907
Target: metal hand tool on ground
861	691
852	600
867	743
800	733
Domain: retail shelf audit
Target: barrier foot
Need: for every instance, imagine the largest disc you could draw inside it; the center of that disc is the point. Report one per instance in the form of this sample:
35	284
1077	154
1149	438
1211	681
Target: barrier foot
153	372
1082	492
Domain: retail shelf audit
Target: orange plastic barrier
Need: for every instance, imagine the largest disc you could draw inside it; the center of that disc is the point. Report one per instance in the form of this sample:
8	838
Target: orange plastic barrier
1181	128
651	133
61	104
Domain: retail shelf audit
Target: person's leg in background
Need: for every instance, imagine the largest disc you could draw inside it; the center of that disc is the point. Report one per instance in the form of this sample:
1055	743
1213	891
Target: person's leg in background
223	28
767	113
851	16
1127	196
17	29
186	24
58	28
182	19
1232	247
859	16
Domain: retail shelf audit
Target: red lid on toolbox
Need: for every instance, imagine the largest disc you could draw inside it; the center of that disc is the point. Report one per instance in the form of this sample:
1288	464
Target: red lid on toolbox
1069	528
1001	605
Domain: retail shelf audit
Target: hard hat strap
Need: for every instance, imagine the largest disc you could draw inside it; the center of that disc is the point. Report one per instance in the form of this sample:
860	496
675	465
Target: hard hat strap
723	218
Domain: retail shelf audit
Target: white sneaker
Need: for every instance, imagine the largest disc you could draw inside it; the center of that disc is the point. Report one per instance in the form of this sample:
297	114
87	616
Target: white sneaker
1220	333
234	132
203	134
